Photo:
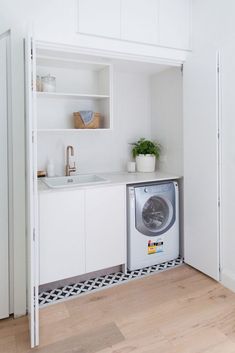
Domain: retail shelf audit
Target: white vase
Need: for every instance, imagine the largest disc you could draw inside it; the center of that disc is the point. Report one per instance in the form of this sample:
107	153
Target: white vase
145	163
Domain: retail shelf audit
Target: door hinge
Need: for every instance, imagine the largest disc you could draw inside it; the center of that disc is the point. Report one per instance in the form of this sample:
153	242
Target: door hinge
182	69
32	137
31	51
218	202
34	234
218	68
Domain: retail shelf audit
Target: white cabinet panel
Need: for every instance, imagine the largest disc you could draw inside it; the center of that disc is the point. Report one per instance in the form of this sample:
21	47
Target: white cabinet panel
62	235
201	167
4	239
105	227
175	23
140	21
99	17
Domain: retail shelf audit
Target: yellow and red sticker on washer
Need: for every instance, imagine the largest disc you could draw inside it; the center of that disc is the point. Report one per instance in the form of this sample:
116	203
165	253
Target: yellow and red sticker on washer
155	247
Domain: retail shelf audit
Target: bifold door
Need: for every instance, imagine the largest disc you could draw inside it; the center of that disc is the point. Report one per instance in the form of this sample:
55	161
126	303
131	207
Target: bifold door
228	159
32	204
202	162
4	238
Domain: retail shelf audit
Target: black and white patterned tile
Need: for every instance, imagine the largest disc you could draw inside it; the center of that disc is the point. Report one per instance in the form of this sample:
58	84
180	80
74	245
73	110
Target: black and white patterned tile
77	289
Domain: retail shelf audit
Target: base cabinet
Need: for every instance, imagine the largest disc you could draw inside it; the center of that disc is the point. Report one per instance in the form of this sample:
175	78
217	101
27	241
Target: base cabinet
105	227
81	231
62	235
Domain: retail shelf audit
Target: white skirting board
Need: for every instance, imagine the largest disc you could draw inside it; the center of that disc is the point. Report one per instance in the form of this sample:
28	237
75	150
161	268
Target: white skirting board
228	280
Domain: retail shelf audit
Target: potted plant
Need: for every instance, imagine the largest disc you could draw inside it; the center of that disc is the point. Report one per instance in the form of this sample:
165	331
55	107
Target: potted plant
145	153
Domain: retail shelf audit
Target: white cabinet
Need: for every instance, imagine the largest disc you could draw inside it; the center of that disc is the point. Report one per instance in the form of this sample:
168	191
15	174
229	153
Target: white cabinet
165	23
62	235
100	17
175	23
105	227
81	231
140	21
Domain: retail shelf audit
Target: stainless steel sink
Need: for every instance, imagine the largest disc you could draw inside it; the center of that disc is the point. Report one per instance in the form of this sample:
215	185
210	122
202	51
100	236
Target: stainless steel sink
75	180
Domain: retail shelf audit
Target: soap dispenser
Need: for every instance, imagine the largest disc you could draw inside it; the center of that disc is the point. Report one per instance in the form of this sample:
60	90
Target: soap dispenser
50	169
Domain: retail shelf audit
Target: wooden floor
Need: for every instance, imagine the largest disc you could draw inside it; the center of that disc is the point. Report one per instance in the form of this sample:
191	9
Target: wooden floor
177	311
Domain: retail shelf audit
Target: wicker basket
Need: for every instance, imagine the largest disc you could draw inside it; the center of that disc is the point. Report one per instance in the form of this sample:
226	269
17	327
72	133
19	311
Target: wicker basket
79	123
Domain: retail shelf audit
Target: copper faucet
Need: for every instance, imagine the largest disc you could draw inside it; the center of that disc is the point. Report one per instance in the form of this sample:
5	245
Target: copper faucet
68	169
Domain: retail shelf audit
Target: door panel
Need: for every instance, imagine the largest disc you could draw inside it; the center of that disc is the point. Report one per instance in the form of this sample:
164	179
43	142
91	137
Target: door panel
31	184
175	23
201	167
62	235
228	158
140	21
101	18
105	227
4	238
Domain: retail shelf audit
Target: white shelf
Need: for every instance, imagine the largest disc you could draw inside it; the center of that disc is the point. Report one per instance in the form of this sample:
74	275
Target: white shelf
71	95
71	130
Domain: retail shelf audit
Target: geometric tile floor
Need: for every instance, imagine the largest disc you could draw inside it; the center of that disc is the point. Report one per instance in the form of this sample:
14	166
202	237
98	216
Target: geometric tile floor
77	289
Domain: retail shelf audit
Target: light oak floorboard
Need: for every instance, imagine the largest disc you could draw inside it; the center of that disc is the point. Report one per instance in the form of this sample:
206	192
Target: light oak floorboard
177	311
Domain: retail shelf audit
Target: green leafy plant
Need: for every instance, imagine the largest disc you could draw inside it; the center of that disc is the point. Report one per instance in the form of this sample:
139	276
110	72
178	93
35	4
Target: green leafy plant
143	146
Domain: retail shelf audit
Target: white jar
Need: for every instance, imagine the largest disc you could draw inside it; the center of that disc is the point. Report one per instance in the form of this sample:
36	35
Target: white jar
145	163
48	83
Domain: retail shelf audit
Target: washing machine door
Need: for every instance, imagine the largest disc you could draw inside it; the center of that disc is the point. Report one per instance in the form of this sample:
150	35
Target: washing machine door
155	210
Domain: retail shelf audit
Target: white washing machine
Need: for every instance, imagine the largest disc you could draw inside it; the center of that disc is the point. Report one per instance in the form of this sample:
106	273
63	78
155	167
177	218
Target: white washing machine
153	224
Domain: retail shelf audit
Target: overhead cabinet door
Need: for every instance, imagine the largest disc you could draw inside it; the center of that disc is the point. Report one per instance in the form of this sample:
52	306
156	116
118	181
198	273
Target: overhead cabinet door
201	163
99	17
140	21
175	23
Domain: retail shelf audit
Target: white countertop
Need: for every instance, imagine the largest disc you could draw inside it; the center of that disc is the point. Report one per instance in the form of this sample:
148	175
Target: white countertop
116	178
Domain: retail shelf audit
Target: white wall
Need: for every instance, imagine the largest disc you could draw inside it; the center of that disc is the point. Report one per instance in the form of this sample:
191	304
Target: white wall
105	151
214	28
167	118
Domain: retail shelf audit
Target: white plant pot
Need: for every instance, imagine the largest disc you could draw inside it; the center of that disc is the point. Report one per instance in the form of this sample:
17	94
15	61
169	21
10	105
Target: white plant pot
145	163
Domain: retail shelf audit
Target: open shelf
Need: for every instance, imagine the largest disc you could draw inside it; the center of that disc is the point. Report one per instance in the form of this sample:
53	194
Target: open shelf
81	85
71	95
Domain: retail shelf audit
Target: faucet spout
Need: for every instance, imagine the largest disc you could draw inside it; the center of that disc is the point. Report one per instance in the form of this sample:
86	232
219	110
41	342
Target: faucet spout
68	168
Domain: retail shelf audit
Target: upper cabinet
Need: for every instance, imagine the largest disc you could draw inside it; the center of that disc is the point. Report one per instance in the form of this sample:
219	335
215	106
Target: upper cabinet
139	20
165	23
175	23
100	17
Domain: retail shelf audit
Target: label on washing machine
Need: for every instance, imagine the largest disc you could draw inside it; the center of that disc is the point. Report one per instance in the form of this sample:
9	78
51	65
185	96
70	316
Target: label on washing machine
155	247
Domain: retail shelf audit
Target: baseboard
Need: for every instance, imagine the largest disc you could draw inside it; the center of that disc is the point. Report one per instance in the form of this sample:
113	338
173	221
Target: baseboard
228	280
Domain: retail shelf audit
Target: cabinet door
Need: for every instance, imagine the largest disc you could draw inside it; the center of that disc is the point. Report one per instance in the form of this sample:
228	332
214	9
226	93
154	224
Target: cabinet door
140	20
62	235
99	17
105	227
201	163
175	23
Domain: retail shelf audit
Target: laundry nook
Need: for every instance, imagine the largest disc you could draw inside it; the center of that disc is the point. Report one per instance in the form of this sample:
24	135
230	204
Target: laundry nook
116	205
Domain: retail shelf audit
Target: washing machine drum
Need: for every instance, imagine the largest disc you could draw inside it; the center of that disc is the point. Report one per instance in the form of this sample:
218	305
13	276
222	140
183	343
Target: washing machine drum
154	215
